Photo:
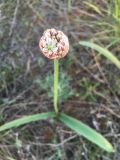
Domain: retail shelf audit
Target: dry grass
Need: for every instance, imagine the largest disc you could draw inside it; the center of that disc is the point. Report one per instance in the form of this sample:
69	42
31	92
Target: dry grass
21	26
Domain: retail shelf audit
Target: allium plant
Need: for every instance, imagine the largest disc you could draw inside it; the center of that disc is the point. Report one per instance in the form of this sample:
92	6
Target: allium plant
54	45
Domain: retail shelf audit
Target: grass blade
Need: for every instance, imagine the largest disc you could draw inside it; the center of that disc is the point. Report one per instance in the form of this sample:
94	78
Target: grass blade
26	119
94	7
103	51
87	132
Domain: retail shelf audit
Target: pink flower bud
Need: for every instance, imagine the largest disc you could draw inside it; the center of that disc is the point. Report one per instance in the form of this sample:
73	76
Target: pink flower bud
54	44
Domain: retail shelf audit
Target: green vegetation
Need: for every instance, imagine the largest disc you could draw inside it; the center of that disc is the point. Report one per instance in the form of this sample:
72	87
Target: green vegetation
89	89
65	90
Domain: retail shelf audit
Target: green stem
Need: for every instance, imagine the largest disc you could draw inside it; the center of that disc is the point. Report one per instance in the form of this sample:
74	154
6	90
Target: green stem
56	70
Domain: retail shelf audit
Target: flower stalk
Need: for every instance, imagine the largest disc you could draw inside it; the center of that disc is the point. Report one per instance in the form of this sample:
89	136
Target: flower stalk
56	74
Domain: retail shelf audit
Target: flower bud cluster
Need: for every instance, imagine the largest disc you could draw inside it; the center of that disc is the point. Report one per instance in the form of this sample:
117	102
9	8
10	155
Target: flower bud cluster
54	44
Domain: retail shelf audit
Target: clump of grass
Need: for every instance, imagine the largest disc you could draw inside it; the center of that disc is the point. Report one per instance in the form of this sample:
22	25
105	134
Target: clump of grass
108	22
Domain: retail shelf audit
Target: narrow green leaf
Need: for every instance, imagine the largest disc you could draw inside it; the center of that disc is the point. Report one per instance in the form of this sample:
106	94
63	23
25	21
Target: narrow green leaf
103	51
26	119
94	7
87	132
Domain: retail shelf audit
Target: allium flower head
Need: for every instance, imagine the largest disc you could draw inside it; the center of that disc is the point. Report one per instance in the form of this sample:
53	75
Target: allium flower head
54	44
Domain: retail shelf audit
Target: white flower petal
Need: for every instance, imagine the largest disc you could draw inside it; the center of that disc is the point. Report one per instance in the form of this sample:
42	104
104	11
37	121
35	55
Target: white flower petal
55	49
48	40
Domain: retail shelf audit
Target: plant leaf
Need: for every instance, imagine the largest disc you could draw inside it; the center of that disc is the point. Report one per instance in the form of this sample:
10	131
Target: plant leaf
26	119
94	7
103	51
87	132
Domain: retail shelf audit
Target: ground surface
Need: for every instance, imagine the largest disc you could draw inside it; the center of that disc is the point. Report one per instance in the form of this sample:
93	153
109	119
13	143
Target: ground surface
93	81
